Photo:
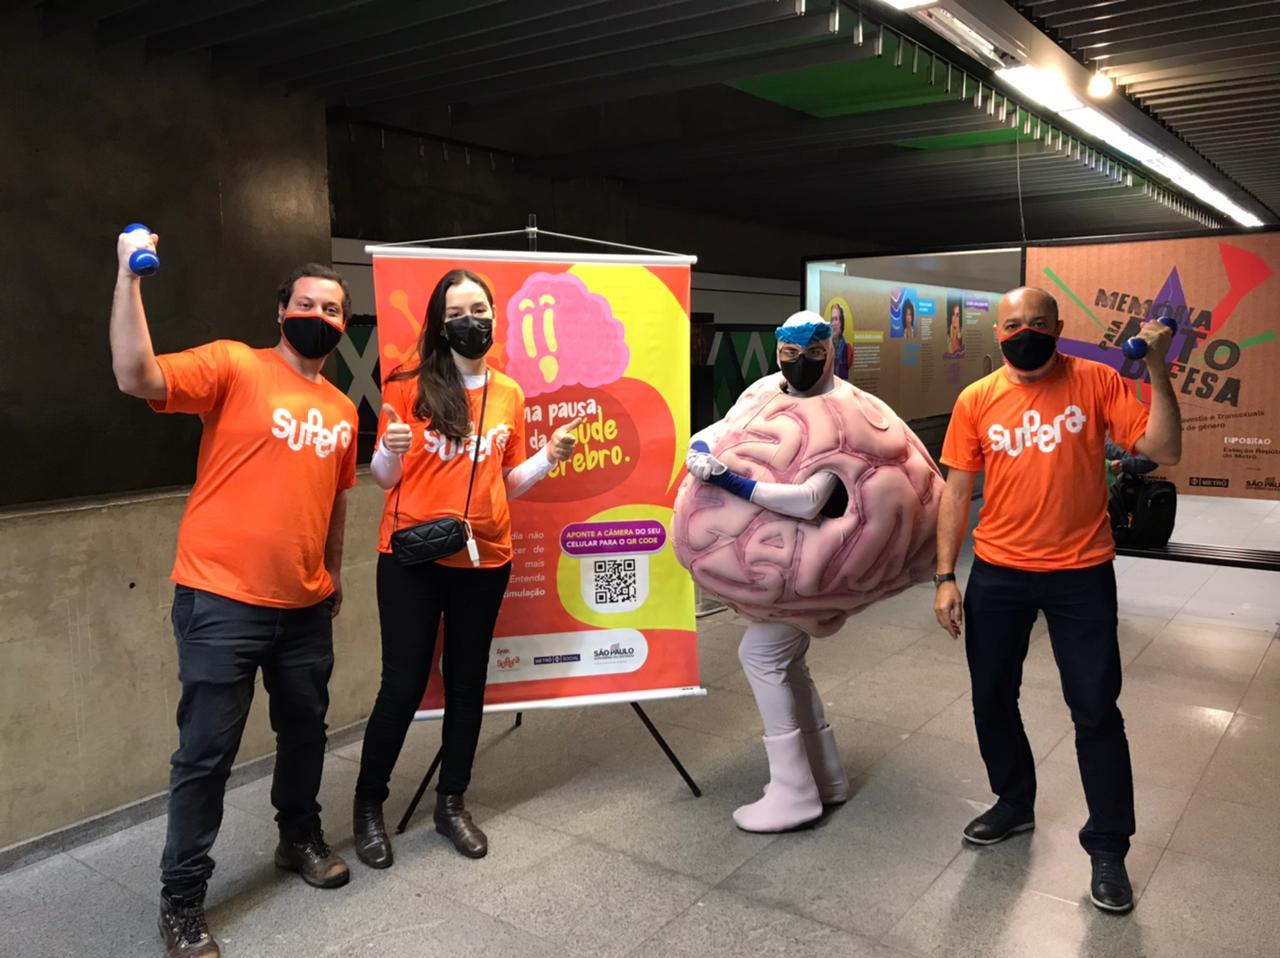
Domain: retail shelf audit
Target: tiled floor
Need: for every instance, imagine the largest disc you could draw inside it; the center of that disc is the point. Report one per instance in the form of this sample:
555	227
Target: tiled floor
597	848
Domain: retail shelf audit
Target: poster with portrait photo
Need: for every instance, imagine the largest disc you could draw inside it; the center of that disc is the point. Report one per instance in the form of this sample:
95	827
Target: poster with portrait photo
903	323
953	326
840	316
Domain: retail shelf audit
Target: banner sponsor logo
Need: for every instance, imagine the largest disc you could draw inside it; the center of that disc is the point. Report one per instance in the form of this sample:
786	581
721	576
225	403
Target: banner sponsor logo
615	651
563	655
1209	483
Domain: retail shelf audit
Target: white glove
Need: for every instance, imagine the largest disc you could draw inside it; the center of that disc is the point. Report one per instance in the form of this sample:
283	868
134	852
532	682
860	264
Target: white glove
703	465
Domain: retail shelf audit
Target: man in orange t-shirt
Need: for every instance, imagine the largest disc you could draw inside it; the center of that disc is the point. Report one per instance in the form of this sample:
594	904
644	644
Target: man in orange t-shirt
1037	428
257	575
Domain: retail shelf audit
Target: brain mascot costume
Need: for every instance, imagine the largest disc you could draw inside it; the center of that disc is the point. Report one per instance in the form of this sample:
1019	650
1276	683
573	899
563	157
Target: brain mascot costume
809	501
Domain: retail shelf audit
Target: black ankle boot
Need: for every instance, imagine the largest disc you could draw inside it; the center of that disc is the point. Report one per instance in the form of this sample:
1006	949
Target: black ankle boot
373	847
454	822
183	928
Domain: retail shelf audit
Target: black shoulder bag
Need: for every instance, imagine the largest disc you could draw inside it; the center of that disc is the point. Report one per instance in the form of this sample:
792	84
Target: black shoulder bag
439	538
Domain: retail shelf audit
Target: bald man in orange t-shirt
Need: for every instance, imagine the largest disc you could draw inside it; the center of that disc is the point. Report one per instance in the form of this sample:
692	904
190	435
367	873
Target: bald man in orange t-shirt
257	574
1037	427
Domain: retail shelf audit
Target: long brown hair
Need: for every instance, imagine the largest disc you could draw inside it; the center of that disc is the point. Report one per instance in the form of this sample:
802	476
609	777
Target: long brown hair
441	396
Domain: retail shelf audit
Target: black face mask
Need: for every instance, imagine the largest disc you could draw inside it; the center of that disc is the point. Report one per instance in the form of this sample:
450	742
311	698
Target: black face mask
1029	349
310	335
803	374
469	337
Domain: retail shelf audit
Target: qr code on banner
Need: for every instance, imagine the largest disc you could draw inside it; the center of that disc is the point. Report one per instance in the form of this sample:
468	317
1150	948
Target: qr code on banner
615	581
616	585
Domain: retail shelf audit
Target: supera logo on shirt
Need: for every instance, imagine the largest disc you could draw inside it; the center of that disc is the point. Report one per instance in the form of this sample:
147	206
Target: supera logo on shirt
436	444
312	431
1034	432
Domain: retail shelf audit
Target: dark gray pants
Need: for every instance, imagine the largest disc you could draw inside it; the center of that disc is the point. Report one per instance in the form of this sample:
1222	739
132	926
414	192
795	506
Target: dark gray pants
221	645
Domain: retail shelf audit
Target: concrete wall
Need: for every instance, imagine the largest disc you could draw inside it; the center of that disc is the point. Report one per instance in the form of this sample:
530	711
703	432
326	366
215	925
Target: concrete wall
234	180
88	664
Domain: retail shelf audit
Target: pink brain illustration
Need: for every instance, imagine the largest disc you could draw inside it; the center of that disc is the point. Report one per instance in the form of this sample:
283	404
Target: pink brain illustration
562	334
813	574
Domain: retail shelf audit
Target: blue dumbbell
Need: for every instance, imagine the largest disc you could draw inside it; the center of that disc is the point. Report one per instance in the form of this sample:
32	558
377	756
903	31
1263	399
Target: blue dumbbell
142	262
1136	348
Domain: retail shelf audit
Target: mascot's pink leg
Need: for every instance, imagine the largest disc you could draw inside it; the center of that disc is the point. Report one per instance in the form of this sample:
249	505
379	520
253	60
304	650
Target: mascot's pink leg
767	653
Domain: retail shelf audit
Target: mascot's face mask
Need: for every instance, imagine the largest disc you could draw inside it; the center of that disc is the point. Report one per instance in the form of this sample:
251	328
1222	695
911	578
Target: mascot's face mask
805	354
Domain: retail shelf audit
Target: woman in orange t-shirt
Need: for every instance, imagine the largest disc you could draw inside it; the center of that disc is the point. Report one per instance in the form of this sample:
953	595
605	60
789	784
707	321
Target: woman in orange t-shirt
443	418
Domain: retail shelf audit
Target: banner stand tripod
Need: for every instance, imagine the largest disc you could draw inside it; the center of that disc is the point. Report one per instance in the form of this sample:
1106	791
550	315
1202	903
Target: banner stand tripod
648	724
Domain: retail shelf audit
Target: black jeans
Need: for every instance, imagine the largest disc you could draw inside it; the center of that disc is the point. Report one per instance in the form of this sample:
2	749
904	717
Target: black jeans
411	600
221	645
1080	607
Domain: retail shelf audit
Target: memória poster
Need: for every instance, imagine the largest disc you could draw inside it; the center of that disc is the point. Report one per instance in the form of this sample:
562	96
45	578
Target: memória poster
1224	294
597	608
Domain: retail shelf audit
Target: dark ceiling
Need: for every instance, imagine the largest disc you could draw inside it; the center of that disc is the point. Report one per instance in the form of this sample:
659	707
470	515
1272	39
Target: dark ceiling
1209	70
825	119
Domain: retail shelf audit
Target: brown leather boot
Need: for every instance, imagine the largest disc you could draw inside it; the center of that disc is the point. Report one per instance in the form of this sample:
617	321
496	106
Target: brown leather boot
373	847
454	822
310	857
183	929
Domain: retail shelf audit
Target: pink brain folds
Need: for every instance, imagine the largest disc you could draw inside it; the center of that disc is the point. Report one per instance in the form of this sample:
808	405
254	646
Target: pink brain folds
562	334
816	573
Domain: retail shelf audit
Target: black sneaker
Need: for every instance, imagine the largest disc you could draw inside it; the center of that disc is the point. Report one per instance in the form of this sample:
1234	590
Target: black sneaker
1110	889
997	823
184	930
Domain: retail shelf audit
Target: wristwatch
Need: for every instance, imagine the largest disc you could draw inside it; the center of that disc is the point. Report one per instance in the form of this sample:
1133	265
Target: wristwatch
943	577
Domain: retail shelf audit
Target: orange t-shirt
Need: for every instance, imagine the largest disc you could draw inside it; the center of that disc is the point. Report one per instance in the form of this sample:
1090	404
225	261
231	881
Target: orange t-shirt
1041	445
436	470
276	450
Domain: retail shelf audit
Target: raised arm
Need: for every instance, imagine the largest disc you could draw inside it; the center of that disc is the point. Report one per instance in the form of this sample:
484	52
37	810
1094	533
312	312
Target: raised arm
1162	442
523	477
133	360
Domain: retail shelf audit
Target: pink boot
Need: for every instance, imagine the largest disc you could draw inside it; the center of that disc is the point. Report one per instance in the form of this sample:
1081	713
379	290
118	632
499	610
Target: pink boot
828	771
792	799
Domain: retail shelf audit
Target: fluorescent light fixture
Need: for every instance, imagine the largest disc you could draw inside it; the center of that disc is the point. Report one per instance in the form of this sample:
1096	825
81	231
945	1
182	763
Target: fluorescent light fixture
1100	86
1188	182
1170	169
1050	90
1110	132
942	21
1047	89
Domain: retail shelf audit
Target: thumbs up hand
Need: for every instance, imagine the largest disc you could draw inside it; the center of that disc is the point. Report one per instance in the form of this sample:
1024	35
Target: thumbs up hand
563	441
398	435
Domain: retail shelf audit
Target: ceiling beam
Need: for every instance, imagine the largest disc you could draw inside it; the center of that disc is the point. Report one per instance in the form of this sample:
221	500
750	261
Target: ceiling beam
144	22
559	37
380	21
661	79
758	25
271	18
1234	44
